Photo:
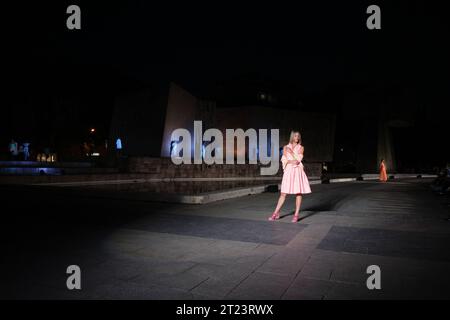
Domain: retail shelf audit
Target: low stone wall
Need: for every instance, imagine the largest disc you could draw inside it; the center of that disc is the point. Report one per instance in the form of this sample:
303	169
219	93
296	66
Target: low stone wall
38	179
154	168
164	168
313	169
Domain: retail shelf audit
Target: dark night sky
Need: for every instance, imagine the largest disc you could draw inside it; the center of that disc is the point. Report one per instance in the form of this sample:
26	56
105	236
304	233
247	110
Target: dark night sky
317	45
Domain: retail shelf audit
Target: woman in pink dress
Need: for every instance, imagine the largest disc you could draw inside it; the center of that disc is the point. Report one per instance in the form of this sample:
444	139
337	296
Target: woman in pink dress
294	180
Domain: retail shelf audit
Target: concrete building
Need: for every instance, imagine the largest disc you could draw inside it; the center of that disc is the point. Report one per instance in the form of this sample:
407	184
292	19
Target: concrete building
145	121
382	123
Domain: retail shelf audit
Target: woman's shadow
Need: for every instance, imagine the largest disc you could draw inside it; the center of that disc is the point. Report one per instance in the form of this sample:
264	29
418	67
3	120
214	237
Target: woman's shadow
309	211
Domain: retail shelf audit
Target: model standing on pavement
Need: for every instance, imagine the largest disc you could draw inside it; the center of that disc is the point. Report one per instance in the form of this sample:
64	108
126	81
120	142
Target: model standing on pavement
294	180
383	173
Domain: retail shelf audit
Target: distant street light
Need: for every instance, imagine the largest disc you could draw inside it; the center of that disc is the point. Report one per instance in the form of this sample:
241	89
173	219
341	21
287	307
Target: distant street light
92	130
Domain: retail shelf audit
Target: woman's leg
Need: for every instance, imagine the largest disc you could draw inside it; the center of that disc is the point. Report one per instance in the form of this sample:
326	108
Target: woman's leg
298	203
280	202
276	213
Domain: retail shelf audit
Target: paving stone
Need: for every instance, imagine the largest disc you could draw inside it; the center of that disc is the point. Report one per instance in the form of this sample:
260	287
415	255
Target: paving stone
220	228
288	261
220	280
416	245
132	291
346	291
229	250
185	280
307	289
261	286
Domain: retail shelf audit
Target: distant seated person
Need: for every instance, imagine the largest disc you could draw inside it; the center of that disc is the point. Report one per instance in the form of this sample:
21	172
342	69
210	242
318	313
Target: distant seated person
26	151
13	149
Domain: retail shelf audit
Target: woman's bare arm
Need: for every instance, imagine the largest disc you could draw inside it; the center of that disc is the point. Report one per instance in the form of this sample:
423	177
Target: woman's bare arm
288	150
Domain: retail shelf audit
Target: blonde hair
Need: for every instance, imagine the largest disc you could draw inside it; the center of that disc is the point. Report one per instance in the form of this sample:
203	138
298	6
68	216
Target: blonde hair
291	137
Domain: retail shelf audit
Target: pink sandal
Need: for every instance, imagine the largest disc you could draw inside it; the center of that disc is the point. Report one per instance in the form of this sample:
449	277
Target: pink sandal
295	218
274	216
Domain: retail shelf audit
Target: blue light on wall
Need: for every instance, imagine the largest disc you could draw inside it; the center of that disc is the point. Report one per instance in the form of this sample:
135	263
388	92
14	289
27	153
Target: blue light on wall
173	148
119	144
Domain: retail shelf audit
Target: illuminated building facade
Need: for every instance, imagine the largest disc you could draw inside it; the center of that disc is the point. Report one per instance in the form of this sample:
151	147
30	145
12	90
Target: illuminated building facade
145	121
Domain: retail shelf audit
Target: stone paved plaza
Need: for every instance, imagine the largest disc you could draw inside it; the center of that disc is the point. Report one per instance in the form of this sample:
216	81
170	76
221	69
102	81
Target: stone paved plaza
227	249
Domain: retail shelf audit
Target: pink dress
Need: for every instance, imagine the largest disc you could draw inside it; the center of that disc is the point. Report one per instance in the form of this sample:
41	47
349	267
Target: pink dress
294	177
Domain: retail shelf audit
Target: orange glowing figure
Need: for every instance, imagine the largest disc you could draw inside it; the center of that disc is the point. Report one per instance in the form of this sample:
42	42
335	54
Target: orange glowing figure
383	173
